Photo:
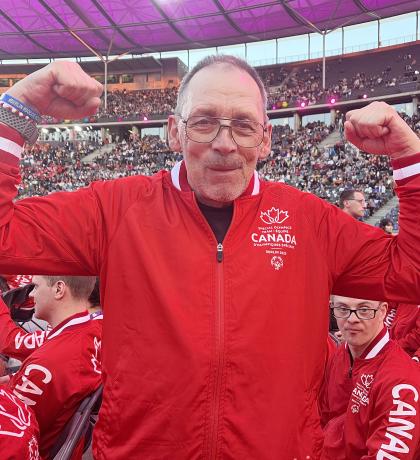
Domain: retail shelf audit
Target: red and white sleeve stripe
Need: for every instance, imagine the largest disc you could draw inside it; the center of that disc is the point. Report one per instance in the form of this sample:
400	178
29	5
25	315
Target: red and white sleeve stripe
406	168
11	145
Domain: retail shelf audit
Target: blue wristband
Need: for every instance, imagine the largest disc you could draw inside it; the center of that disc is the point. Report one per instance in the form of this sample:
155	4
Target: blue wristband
18	105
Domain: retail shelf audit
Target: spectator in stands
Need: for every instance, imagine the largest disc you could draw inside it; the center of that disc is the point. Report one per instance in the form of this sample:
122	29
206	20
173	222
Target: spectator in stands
371	389
353	203
19	432
386	225
193	343
58	375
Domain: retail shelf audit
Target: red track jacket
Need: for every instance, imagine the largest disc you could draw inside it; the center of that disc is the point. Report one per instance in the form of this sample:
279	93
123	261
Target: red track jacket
57	376
14	341
404	326
205	346
19	431
371	409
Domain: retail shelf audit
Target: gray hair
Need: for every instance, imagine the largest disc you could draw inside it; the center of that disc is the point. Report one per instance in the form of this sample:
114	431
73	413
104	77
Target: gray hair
219	59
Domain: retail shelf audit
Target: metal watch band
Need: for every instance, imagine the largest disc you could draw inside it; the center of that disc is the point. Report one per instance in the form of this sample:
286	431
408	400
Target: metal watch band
26	127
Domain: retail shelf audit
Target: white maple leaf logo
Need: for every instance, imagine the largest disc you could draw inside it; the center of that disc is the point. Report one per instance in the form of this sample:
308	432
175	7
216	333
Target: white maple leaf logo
367	380
274	216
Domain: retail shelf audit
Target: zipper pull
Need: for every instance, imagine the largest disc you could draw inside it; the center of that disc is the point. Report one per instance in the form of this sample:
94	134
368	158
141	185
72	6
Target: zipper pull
220	252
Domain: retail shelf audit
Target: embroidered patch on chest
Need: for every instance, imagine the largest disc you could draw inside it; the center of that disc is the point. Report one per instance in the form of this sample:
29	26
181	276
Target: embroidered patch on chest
274	234
360	393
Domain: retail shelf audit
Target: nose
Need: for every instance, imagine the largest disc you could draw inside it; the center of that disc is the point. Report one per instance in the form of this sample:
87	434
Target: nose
224	142
353	318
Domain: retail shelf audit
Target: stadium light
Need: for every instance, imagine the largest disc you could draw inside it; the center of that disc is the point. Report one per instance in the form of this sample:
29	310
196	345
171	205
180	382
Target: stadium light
303	104
333	100
145	118
364	96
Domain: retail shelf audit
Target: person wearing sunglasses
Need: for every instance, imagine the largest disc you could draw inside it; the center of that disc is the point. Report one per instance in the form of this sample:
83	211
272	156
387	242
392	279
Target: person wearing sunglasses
369	403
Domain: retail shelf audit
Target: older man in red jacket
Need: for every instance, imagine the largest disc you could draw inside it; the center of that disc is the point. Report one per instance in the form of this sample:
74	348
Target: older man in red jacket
202	267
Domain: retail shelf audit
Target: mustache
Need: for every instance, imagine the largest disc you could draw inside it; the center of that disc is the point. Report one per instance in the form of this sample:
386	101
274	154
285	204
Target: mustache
228	163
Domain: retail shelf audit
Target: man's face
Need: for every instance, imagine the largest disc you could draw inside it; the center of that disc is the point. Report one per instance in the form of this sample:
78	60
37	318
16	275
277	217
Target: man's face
389	229
356	332
357	205
219	171
43	297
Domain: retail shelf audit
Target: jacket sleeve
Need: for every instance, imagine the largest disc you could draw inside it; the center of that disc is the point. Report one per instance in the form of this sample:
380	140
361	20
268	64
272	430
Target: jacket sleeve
411	341
63	233
14	341
363	261
394	427
49	234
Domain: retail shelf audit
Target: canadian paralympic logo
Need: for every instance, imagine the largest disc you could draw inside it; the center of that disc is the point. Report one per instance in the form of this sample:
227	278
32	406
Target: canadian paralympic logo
274	216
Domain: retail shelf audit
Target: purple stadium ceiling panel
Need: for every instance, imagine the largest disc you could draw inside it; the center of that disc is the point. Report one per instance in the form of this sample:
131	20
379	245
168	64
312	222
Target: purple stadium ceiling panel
64	28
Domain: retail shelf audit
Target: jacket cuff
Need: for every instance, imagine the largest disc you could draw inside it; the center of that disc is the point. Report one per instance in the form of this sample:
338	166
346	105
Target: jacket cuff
11	145
406	168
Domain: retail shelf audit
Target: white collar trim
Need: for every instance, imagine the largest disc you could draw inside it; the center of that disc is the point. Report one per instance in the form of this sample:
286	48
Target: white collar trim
378	347
256	189
175	175
72	322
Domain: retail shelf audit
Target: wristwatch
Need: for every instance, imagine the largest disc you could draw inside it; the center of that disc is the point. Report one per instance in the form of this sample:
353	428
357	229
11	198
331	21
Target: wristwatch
21	123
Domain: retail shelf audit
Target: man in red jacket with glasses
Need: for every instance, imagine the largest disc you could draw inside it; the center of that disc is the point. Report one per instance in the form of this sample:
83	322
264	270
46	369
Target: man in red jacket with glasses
370	399
201	266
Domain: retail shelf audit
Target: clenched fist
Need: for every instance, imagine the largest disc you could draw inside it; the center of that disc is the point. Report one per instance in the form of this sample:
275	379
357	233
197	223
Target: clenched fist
378	129
61	89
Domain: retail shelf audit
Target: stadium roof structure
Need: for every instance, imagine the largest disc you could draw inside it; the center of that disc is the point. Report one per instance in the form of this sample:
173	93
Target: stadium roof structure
77	28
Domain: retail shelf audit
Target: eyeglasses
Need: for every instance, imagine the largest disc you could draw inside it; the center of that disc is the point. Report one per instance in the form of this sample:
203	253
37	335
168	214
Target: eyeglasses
245	133
361	313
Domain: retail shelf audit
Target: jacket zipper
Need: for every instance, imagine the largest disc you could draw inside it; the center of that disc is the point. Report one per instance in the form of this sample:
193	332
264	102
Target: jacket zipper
220	345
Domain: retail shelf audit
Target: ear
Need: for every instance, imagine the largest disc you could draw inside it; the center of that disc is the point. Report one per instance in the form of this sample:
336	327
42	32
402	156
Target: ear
174	139
265	147
383	306
59	290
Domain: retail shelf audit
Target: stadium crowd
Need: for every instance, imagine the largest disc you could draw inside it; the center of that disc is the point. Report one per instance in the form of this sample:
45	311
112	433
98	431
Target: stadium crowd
46	168
296	159
287	86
